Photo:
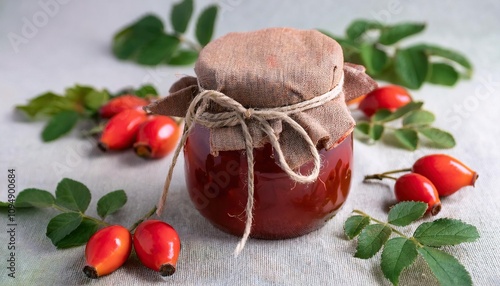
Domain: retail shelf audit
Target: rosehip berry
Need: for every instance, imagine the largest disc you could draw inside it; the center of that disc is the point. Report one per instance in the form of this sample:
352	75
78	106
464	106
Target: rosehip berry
121	103
157	137
157	245
121	130
415	187
446	173
389	97
107	250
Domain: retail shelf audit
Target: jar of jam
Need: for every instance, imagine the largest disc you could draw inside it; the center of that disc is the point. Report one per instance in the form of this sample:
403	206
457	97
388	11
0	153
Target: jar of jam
268	137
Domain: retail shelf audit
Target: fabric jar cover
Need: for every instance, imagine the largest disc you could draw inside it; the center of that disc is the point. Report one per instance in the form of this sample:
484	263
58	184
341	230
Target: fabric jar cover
272	68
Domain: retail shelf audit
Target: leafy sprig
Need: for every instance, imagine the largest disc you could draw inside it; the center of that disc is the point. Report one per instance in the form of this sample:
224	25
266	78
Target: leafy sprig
401	252
72	198
148	42
79	102
415	120
377	47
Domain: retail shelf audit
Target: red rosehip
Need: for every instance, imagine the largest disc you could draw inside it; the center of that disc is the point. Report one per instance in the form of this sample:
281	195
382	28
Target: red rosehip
121	103
157	137
107	250
157	246
389	97
446	173
415	187
121	130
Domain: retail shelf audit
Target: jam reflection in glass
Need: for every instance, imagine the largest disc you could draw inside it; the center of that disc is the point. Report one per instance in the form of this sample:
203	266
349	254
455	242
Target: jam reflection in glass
282	208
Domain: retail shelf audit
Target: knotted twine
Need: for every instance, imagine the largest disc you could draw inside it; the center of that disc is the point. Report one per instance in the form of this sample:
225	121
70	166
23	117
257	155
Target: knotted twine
237	115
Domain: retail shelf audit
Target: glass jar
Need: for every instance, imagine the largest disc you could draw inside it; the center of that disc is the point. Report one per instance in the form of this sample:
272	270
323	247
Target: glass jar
283	208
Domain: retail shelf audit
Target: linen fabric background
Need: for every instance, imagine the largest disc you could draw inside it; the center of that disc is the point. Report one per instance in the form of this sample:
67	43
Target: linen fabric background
74	47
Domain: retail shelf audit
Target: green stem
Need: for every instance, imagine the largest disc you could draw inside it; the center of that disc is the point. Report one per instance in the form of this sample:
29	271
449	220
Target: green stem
65	210
189	43
386	175
388	225
145	217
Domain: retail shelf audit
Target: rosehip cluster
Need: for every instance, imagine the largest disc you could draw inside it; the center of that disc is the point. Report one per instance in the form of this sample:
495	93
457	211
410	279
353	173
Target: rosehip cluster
152	136
156	244
431	177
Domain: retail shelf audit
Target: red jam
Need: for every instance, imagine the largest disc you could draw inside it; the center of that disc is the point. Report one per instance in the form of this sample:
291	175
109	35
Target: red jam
282	208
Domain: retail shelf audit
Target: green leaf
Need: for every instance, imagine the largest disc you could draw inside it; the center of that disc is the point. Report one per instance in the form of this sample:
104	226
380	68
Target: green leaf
72	195
77	93
205	25
411	66
183	58
59	125
111	202
374	59
145	91
131	39
446	268
371	240
359	27
438	136
445	232
158	50
363	127
354	225
393	34
79	236
404	213
443	74
180	15
4	204
451	55
34	198
403	110
95	99
407	137
62	225
376	131
419	118
381	115
399	253
46	104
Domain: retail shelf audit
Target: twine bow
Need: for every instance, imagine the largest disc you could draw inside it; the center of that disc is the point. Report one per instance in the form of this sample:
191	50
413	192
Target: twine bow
237	115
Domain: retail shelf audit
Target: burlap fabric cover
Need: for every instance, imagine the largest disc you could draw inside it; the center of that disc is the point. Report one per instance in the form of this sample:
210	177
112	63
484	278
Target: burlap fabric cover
271	68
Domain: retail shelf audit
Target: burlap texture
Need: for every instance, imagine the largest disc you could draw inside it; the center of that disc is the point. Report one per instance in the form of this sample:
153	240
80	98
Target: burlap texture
271	68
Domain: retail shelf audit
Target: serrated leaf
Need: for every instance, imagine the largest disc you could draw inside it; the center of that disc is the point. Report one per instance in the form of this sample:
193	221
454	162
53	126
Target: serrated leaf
46	104
445	232
111	202
34	198
95	99
359	27
393	34
412	67
371	239
62	225
413	105
380	115
407	137
180	15
374	59
418	118
183	57
404	213
79	236
205	25
445	53
446	268
443	74
399	253
438	136
363	127
158	50
59	125
376	131
354	225
144	91
72	195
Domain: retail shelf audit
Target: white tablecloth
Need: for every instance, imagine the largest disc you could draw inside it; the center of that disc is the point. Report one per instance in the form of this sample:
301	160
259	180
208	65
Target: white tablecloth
72	45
